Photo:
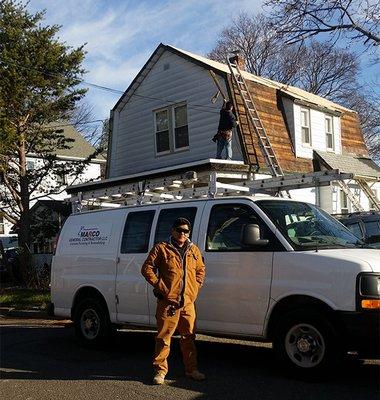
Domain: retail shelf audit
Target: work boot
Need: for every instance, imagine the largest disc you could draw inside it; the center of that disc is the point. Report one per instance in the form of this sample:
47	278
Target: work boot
158	379
196	375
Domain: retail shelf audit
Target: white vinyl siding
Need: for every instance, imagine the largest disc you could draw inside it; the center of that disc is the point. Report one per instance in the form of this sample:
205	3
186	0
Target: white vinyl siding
133	147
305	127
329	130
317	125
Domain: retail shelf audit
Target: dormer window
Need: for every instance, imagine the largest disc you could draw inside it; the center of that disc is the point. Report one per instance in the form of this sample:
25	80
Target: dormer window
305	126
329	130
171	129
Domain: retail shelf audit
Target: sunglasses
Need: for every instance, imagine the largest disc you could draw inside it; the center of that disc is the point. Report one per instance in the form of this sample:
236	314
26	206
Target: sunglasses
181	230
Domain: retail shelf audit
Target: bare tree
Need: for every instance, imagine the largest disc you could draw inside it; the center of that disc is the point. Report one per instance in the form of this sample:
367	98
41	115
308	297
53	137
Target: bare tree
298	20
316	67
319	68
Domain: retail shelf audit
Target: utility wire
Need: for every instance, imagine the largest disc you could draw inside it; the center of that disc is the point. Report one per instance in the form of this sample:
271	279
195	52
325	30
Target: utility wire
201	107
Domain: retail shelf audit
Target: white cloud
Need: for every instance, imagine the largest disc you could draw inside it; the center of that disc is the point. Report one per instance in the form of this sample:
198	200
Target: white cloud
121	34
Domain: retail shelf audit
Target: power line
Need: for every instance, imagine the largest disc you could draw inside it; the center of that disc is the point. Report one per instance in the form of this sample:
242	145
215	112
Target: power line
202	107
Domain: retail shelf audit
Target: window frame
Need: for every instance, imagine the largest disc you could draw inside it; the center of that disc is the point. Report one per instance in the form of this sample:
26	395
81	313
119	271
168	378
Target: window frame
168	230
171	129
274	245
123	249
307	110
331	119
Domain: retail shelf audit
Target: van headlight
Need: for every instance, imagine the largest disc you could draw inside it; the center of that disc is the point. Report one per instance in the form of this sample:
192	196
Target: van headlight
369	291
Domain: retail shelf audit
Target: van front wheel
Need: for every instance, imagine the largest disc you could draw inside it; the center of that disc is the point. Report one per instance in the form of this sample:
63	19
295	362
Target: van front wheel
307	343
92	323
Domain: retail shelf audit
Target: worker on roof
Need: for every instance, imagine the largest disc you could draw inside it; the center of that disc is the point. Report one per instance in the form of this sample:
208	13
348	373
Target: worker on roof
223	138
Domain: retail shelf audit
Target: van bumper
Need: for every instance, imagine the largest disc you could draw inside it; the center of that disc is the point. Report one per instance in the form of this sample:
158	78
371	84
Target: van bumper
361	331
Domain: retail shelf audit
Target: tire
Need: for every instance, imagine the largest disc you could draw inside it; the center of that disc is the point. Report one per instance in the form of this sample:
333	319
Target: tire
307	344
92	323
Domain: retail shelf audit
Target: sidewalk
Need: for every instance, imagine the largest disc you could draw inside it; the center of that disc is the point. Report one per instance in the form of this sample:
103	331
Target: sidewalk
11	316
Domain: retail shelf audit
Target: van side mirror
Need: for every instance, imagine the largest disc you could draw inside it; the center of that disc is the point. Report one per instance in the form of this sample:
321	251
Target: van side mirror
251	236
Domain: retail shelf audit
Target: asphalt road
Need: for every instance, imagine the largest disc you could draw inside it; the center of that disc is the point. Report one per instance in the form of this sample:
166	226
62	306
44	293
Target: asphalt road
40	362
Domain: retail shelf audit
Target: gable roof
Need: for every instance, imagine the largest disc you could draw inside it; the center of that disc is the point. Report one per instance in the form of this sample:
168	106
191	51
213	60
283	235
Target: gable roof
218	67
358	165
80	148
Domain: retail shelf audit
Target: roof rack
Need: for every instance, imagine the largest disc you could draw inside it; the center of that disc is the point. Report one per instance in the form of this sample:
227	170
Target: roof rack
191	185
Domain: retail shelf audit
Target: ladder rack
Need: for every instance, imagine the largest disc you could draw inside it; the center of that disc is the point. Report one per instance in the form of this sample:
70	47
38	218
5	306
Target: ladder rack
192	185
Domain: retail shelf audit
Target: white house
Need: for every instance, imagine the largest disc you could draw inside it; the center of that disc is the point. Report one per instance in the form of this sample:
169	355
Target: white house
80	150
165	119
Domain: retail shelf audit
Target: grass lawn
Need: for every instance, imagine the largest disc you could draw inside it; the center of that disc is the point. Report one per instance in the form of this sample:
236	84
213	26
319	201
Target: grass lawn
24	299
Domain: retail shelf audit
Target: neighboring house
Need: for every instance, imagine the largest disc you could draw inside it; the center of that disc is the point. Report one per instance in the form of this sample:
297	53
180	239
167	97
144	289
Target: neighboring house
166	119
80	149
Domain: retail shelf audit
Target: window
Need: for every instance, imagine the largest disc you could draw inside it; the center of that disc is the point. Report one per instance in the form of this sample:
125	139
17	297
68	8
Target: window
61	178
226	226
137	232
2	230
162	131
356	230
305	126
180	127
30	165
171	129
306	226
329	129
343	202
168	216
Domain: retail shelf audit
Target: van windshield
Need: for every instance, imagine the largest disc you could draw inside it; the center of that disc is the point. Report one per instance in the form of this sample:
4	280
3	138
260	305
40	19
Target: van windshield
308	227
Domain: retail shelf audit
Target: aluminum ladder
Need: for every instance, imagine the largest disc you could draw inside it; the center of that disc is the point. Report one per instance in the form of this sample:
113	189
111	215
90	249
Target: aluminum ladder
265	145
368	192
354	200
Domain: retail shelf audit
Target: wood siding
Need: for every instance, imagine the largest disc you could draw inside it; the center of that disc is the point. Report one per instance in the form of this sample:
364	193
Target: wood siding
281	120
352	136
272	115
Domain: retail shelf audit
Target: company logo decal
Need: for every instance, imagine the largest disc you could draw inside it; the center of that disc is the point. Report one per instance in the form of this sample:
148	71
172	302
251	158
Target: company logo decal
98	235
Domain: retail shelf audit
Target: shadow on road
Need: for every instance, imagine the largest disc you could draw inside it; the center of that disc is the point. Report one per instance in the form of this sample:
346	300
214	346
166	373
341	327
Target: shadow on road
233	370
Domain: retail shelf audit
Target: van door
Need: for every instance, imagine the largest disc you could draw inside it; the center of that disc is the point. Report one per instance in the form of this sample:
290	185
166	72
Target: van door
131	287
236	292
192	211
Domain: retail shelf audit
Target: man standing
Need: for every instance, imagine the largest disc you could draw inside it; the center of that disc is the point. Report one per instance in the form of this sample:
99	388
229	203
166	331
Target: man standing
227	121
176	271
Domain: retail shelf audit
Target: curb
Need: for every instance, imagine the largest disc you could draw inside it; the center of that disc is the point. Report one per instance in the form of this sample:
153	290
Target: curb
10	313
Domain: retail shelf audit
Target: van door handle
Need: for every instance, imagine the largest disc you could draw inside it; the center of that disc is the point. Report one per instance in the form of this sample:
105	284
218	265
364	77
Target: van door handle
117	260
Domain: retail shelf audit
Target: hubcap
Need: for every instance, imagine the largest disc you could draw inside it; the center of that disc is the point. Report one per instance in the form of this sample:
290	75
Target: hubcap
90	324
305	345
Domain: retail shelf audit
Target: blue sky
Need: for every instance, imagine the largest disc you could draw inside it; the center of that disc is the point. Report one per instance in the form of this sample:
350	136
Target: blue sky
122	34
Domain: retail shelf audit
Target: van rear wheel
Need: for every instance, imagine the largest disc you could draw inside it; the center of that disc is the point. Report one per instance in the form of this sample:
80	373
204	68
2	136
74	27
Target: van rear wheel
307	343
92	323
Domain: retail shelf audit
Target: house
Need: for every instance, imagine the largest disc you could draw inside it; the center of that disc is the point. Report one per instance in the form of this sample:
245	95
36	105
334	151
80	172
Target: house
165	120
79	149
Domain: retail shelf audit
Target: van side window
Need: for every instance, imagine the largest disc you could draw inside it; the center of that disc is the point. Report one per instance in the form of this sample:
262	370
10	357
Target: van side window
137	232
168	216
226	226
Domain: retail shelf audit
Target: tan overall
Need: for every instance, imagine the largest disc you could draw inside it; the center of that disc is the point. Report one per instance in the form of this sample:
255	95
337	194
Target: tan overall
174	284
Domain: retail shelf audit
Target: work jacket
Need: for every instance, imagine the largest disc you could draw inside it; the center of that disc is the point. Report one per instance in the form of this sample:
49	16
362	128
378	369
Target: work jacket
175	278
227	120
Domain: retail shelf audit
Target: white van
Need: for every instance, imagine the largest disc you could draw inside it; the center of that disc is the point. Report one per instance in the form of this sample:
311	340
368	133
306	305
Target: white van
277	270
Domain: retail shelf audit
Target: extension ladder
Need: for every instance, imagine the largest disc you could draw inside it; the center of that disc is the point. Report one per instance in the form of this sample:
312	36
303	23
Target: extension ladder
266	148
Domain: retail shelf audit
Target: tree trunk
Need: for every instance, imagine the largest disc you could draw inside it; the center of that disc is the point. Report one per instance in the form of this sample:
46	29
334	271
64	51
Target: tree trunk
24	222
